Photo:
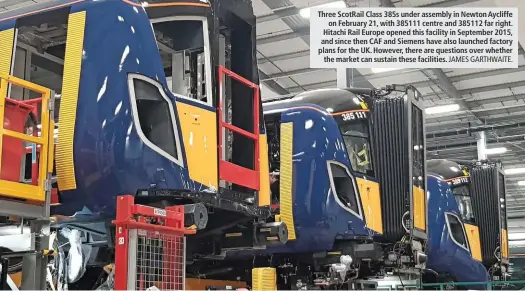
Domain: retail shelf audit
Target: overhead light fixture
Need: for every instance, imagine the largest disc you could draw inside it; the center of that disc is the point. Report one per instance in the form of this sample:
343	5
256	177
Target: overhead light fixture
382	70
305	12
521	183
515	171
495	151
442	109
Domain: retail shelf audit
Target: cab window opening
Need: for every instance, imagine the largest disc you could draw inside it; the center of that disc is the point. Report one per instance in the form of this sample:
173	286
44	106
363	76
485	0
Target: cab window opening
464	201
343	187
154	117
357	143
183	46
456	230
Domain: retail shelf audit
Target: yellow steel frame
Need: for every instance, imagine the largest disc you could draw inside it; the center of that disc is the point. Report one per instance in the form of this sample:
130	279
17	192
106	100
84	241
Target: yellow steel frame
10	189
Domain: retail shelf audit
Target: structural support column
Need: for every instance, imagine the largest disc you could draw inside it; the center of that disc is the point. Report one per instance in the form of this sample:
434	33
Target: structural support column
344	78
34	265
482	146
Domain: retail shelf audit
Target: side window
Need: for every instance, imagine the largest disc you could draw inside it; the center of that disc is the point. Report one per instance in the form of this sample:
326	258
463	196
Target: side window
343	187
457	232
154	117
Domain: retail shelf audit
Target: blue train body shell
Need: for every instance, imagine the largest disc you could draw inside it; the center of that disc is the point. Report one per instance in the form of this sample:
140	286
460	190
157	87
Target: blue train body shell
106	142
444	255
319	219
110	158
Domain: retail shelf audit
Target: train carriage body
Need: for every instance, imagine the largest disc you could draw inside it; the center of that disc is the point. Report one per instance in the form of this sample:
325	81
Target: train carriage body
451	250
162	101
479	190
306	145
140	101
337	192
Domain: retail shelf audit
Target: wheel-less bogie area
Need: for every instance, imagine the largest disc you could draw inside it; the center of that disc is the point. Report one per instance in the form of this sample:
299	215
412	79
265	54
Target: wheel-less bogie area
334	270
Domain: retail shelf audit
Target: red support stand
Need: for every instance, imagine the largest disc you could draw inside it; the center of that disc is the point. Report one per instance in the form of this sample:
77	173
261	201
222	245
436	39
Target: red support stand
149	246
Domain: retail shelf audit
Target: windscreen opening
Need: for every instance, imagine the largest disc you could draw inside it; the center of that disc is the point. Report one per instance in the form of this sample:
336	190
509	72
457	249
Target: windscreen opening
464	201
357	143
182	45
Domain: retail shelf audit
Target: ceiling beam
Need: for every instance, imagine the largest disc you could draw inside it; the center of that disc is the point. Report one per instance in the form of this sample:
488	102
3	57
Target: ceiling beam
482	89
301	32
272	84
452	91
443	79
493	87
459	143
468	130
294	73
470	76
304	34
278	14
284	57
292	11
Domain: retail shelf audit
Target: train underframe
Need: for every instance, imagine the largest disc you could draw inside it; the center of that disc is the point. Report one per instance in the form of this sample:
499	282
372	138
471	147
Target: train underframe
352	264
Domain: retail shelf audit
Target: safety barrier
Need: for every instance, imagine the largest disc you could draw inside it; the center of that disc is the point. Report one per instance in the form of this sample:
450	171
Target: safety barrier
149	246
493	285
228	171
13	115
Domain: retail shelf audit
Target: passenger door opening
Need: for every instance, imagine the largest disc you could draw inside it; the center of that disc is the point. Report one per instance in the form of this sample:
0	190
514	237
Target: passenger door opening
40	46
273	134
238	137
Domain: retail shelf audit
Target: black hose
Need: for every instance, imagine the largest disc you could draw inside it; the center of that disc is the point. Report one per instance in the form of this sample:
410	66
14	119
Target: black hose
431	271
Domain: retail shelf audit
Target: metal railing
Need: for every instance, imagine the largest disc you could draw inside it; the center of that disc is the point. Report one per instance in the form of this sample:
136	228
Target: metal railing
493	285
17	189
228	171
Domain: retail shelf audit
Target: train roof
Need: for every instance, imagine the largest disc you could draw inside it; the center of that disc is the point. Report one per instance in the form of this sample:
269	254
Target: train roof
155	8
227	9
333	100
446	168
